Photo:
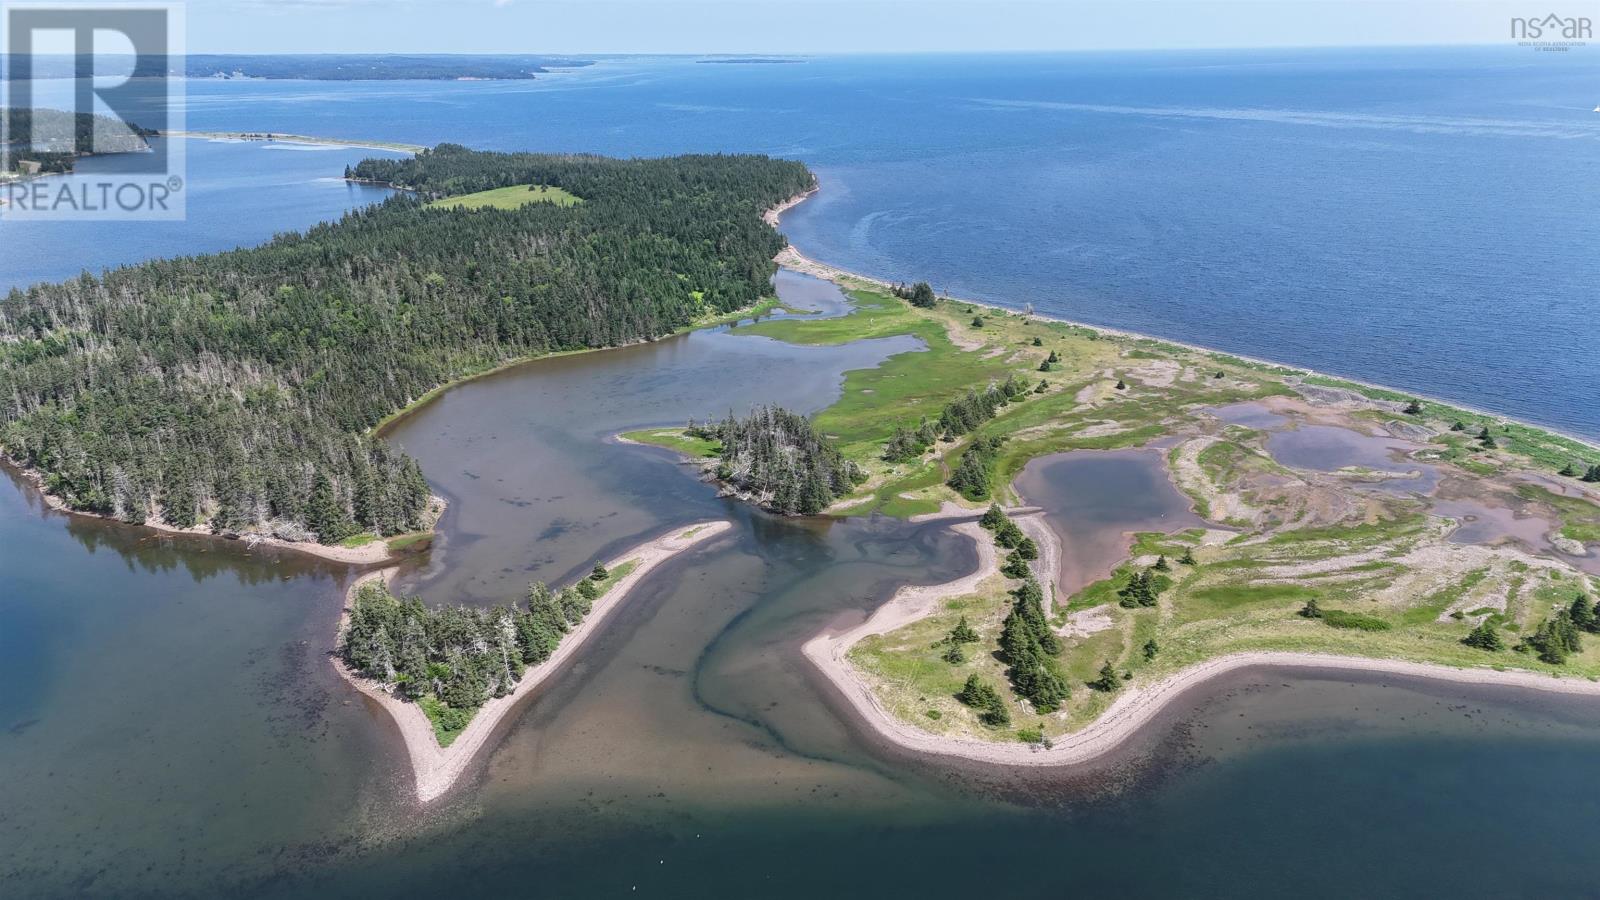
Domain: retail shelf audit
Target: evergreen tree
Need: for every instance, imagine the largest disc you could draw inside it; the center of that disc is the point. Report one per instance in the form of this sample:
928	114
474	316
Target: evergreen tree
325	515
1009	535
1312	609
1108	681
1015	566
963	633
1151	648
1582	614
982	697
599	572
1161	564
971	478
993	517
1485	637
1187	558
1140	591
1413	408
1121	385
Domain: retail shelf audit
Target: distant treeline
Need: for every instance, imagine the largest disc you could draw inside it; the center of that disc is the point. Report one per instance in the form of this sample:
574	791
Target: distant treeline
331	66
780	461
236	389
53	138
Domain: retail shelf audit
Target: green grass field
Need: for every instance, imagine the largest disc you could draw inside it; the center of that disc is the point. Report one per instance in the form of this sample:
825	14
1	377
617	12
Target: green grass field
508	198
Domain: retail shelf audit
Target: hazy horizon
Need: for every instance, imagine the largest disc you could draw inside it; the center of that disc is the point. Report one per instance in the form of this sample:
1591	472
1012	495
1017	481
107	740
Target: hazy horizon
836	27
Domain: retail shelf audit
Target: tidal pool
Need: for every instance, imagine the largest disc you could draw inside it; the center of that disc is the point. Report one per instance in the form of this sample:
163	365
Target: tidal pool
1250	414
1095	500
1329	448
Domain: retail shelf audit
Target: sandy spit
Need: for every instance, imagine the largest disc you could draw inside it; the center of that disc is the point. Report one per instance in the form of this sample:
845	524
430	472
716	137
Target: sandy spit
436	768
793	259
1135	708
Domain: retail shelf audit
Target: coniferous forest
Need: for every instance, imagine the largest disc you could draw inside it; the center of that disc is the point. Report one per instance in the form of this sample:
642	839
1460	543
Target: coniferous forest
780	461
237	390
455	658
54	138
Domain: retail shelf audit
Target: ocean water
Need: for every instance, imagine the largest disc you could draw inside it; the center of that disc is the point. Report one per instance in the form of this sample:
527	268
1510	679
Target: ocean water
1423	218
170	724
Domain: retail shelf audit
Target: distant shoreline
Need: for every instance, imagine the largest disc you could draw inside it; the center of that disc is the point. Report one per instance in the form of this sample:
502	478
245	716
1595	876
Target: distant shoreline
792	259
436	769
273	136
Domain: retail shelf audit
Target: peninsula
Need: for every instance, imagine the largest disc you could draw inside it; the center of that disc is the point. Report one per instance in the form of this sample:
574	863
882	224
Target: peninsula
242	394
442	739
1321	522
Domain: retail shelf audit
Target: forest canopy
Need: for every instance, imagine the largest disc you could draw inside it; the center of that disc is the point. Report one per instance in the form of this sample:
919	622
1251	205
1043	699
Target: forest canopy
780	461
236	390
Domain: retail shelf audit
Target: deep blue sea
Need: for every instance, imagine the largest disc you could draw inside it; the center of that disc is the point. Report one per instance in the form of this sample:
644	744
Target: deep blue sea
1425	218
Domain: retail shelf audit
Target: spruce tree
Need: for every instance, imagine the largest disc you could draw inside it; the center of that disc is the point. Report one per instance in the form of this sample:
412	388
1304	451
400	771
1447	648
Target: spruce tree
963	633
1312	609
1161	564
1582	614
1108	681
1485	637
324	514
993	517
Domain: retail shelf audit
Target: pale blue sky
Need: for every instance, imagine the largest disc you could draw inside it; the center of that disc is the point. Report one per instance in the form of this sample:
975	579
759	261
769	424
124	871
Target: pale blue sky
841	26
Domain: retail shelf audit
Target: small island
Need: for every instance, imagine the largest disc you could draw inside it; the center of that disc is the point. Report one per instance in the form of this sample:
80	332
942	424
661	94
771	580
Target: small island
1318	522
